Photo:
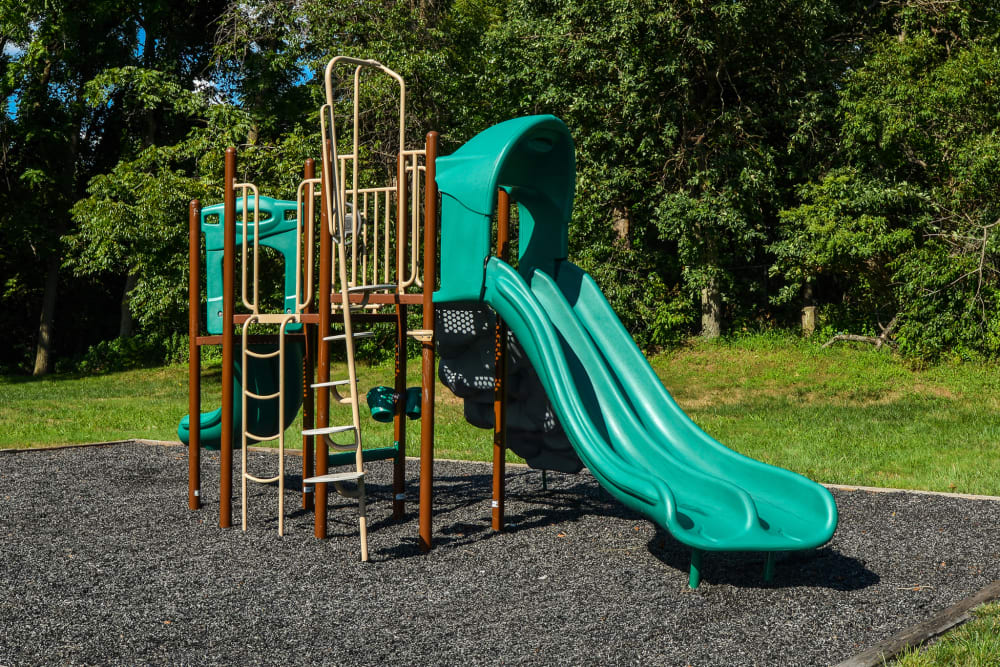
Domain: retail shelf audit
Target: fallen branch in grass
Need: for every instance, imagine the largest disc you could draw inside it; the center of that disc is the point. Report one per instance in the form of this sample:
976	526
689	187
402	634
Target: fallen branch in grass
878	341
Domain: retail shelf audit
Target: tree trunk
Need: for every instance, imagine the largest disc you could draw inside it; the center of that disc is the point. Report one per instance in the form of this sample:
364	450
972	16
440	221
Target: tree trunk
621	223
44	352
46	322
711	294
126	324
711	309
808	311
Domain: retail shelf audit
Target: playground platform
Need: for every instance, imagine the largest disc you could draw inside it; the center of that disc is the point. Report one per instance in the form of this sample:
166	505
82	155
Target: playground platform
104	564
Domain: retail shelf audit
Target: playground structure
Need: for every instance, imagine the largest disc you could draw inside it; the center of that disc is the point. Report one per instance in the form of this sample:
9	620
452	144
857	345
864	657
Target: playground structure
621	422
368	272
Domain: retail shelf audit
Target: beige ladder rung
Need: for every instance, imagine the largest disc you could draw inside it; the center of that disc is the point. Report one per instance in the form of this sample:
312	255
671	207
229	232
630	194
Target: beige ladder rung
262	397
328	430
264	355
423	335
340	448
334	383
262	438
262	480
350	476
361	289
357	334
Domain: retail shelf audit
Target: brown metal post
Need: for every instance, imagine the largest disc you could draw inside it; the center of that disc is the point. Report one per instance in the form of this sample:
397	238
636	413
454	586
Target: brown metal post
500	375
194	355
228	340
308	172
427	347
325	284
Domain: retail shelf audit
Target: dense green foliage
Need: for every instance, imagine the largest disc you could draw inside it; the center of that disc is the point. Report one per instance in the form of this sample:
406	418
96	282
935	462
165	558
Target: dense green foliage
754	156
903	225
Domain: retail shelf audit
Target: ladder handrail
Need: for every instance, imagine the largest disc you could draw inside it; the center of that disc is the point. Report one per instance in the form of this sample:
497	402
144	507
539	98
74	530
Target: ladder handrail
289	318
301	213
408	168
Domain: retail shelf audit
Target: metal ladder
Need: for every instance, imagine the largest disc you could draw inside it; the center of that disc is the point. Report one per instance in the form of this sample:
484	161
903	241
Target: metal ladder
280	319
354	428
337	230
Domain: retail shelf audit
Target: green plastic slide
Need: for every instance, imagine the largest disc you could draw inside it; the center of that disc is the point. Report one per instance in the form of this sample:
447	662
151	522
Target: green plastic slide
622	422
632	435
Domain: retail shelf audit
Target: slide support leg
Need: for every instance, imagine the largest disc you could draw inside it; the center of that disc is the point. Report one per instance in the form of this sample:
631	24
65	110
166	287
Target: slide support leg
695	577
769	567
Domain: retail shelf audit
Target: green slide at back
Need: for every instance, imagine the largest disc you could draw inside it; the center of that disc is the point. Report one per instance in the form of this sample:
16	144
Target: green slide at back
262	417
278	230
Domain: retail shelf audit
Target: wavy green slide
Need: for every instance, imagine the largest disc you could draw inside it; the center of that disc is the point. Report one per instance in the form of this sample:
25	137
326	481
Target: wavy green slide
625	426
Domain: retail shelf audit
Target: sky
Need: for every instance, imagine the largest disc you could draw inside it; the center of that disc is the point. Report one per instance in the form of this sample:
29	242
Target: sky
13	51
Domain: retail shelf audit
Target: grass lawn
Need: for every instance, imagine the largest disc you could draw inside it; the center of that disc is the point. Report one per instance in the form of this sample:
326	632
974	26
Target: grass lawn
974	644
147	404
850	416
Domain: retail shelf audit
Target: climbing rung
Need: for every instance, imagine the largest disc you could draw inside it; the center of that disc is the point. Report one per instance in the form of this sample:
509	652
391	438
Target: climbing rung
262	355
352	447
275	318
262	438
334	383
262	480
262	397
357	334
423	335
327	430
373	454
361	289
335	477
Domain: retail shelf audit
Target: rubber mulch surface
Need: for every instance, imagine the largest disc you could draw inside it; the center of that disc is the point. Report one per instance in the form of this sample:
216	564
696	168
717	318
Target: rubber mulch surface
102	563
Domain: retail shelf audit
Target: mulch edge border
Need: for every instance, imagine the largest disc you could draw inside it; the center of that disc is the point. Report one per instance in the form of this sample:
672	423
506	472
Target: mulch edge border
291	451
917	634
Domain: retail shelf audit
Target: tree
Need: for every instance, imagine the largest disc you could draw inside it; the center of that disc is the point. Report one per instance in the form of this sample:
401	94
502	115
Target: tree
65	131
691	121
913	189
55	49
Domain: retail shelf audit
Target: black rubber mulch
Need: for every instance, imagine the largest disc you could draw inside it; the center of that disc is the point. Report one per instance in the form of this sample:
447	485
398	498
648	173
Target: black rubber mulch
102	563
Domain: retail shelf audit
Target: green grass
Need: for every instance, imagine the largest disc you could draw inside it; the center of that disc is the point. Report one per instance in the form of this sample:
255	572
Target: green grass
849	416
147	404
842	415
974	644
68	409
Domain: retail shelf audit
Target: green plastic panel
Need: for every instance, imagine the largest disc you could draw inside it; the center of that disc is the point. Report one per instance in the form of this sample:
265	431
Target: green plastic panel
277	231
533	157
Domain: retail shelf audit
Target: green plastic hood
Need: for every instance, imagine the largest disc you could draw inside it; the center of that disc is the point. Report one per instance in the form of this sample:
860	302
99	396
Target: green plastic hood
531	157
